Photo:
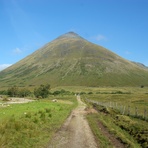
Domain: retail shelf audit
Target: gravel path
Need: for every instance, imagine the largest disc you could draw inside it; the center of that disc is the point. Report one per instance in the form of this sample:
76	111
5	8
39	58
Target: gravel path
76	132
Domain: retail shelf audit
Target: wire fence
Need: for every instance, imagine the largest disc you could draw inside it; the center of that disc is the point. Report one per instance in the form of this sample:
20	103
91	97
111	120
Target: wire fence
124	109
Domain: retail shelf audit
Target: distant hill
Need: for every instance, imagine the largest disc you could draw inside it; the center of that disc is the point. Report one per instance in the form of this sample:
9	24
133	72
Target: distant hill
141	65
71	60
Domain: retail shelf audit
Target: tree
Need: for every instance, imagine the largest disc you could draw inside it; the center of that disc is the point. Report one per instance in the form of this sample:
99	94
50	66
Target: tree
13	91
42	91
4	92
16	92
24	92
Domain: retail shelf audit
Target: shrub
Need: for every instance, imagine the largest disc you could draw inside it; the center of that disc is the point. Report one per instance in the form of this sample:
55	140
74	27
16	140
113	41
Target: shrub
13	91
56	92
82	93
42	91
89	93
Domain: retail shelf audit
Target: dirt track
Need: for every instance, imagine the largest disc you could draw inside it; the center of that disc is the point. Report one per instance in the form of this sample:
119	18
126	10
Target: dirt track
15	101
76	132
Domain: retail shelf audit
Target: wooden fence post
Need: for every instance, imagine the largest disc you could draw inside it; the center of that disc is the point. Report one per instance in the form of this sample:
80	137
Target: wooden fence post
136	111
123	110
145	114
128	111
110	104
116	105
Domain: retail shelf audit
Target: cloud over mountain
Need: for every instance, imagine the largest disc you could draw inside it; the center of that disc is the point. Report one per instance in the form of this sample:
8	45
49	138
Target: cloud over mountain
4	66
17	51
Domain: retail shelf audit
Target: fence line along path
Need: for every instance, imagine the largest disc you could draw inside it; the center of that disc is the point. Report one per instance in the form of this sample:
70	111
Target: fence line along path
124	109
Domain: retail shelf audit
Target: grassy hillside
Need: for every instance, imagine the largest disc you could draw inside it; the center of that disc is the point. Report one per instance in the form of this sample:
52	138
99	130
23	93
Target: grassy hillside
72	60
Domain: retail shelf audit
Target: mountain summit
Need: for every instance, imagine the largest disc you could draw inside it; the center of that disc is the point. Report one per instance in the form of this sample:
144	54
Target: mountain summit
70	35
74	61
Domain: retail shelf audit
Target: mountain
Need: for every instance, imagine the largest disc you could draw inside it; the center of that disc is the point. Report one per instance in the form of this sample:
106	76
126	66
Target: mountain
140	64
71	60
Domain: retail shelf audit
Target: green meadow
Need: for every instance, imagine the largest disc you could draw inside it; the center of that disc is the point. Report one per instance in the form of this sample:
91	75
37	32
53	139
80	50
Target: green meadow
33	124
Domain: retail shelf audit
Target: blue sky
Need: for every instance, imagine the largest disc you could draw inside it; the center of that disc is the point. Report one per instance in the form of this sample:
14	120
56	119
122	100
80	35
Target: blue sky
118	25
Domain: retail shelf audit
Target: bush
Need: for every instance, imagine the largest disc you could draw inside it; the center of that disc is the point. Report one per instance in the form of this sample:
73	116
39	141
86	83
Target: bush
24	92
3	92
62	92
13	91
42	91
82	93
56	92
16	92
89	93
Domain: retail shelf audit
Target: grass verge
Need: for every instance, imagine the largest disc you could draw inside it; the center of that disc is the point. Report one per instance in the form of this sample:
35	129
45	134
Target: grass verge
102	141
130	131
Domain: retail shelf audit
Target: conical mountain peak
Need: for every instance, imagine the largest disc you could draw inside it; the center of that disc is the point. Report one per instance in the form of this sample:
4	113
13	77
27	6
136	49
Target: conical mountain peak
72	60
70	35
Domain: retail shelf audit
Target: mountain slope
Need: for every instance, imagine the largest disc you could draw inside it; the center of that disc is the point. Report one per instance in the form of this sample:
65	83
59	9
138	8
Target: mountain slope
72	60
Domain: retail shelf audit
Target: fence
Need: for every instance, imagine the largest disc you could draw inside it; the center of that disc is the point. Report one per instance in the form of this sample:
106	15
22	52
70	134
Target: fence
123	109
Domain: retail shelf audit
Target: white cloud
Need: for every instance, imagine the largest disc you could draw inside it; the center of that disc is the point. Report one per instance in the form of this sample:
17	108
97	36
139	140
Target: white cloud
100	37
17	51
127	52
4	66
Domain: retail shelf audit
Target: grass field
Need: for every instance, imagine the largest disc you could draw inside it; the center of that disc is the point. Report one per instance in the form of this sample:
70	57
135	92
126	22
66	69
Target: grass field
131	130
33	124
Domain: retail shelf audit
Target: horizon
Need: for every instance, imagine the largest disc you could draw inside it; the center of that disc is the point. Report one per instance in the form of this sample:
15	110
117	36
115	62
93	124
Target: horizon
121	27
